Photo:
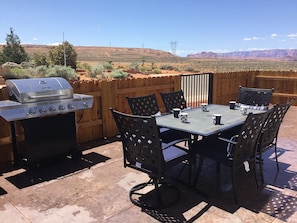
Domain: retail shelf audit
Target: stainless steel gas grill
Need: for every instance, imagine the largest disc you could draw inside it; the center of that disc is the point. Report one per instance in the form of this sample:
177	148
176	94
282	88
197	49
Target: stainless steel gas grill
46	109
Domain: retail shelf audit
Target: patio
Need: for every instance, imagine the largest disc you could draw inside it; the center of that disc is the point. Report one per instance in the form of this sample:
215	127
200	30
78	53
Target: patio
95	189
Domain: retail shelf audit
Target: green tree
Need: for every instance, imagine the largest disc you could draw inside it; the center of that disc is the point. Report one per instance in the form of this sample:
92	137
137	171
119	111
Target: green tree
40	59
13	51
56	55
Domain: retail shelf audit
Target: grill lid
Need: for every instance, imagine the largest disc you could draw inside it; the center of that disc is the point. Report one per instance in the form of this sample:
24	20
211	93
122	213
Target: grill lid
39	89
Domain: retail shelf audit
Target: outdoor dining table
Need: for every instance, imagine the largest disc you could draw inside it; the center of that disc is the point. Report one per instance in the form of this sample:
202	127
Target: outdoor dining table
201	122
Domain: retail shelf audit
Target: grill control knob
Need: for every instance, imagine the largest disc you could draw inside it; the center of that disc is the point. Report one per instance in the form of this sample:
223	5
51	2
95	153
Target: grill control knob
61	107
52	108
32	111
85	104
70	106
42	110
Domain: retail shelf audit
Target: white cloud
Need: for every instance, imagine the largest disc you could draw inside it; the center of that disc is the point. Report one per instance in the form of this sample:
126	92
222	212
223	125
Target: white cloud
35	39
293	36
251	38
274	35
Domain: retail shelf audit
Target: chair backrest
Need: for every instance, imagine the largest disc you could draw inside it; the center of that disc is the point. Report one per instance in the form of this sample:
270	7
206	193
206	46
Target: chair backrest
141	143
248	137
254	96
174	99
144	105
272	125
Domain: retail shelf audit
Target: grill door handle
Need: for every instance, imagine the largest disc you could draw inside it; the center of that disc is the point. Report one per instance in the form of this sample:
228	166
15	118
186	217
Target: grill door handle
46	96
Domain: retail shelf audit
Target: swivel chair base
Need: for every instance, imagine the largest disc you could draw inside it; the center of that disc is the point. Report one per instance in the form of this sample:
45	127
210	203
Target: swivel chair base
154	195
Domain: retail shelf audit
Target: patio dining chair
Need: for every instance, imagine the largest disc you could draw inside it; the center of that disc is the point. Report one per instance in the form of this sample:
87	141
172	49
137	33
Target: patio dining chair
148	106
175	99
269	134
144	151
144	105
255	96
236	152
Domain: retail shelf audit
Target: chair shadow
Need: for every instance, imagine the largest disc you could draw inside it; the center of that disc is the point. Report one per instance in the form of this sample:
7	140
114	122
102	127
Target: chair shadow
268	198
56	169
97	143
284	178
2	191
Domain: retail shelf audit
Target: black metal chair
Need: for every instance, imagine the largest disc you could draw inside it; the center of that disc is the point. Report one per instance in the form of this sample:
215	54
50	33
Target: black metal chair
268	139
144	151
144	105
234	152
147	106
174	99
254	96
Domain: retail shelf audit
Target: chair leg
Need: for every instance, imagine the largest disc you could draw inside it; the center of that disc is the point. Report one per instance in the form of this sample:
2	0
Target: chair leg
255	172
234	186
261	166
276	160
218	167
201	158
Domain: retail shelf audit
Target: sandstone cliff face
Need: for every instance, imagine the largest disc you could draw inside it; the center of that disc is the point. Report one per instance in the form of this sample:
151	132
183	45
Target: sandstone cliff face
285	54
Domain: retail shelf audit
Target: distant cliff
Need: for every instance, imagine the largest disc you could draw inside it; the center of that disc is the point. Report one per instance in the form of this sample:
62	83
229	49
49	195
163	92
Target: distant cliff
280	54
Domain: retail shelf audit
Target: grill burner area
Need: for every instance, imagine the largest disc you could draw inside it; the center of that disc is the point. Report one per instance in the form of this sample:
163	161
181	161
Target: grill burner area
39	97
46	109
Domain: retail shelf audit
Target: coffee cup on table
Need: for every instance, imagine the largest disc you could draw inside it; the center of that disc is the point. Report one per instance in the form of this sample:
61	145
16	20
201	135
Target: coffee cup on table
183	117
232	104
204	107
176	112
217	119
243	110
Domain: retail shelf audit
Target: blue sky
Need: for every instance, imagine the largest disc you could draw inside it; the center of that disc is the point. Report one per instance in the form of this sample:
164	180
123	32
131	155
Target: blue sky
194	25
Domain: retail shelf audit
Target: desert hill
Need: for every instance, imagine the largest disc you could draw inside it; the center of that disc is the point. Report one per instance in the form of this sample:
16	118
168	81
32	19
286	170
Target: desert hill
278	54
116	54
121	54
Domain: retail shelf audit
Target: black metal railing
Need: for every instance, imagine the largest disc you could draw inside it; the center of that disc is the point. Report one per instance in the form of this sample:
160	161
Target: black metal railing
197	88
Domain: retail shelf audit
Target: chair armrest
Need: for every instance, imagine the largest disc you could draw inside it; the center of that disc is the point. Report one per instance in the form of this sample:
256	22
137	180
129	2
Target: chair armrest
172	143
227	140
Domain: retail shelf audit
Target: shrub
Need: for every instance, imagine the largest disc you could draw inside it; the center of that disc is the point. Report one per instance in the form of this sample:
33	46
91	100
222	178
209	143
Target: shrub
157	71
166	67
84	66
15	73
27	64
97	72
108	66
118	74
42	70
62	71
134	66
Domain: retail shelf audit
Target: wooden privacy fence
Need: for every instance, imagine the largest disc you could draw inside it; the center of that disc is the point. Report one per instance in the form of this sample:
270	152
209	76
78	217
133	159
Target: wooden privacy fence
97	122
283	82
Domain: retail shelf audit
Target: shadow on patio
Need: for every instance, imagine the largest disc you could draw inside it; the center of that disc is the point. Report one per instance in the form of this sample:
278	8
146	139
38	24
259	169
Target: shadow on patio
96	189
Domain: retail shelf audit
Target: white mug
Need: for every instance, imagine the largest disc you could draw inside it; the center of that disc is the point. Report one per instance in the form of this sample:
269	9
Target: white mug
183	117
243	110
204	106
217	119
